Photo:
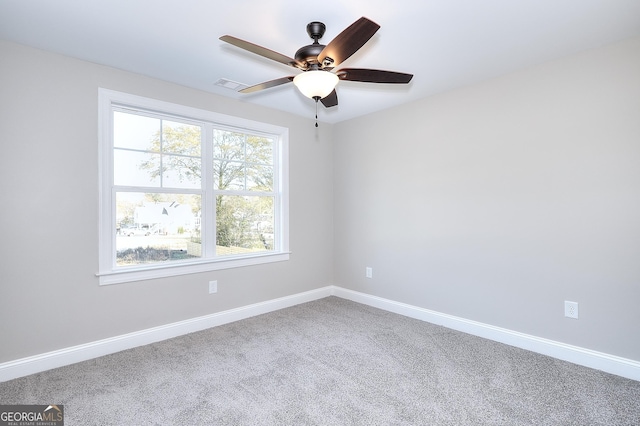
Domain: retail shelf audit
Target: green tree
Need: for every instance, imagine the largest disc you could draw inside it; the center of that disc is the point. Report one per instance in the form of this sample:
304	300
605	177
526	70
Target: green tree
242	162
176	148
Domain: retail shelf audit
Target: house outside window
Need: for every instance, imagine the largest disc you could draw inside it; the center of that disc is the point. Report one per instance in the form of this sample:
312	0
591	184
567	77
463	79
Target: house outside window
185	190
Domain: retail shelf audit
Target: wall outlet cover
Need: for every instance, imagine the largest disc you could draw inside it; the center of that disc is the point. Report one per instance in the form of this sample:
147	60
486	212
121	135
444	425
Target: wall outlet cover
368	272
571	309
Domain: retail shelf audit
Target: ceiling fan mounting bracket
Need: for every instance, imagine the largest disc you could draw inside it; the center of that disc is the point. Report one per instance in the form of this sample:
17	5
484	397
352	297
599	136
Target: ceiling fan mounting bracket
316	30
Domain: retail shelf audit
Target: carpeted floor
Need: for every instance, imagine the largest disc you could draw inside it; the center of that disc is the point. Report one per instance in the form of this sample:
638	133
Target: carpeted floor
330	362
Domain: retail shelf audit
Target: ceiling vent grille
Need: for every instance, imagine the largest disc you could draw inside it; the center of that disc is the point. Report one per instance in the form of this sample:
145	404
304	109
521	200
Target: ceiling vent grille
230	84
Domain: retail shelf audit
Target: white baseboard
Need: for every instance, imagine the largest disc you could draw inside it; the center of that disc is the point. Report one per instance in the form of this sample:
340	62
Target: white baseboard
38	363
574	354
588	358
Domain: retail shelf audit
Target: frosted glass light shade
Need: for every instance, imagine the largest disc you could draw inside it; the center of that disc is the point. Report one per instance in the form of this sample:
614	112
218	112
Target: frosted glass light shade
316	83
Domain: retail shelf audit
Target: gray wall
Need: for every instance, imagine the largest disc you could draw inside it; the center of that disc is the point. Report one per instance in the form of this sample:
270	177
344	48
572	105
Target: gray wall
498	201
49	295
495	202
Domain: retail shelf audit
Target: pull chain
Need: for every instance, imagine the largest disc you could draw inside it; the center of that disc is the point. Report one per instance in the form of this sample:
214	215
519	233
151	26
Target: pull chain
316	98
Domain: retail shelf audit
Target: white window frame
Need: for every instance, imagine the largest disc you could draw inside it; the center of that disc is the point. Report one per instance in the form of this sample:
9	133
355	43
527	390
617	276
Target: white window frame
109	272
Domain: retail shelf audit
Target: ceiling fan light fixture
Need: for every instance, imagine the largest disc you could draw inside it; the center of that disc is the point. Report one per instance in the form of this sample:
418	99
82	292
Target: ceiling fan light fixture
317	62
316	84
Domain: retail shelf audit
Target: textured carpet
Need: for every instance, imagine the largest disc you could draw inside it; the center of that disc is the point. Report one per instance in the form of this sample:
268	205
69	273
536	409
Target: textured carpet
330	362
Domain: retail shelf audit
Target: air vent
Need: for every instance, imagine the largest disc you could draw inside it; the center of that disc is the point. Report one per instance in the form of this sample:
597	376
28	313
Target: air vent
230	84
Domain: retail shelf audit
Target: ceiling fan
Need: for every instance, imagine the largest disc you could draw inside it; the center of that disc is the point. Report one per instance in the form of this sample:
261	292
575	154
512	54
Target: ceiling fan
317	62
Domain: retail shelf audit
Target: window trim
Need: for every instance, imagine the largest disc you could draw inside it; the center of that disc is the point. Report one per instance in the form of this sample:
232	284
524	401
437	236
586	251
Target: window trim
111	274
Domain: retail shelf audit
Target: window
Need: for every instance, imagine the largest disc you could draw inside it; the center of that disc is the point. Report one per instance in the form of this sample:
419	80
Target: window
184	190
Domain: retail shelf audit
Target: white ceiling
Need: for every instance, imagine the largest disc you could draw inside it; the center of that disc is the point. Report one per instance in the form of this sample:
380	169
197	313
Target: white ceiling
444	43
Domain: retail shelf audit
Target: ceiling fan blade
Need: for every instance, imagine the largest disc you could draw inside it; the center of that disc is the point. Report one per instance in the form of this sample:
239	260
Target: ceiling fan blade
267	84
330	100
373	76
262	51
348	42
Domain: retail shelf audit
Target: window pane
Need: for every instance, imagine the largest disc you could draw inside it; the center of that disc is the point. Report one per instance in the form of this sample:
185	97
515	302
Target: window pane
228	175
259	150
134	131
243	162
260	178
134	168
153	227
180	138
145	156
228	145
181	172
244	224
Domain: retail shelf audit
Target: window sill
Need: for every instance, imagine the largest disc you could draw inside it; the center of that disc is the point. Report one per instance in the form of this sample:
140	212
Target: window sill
170	270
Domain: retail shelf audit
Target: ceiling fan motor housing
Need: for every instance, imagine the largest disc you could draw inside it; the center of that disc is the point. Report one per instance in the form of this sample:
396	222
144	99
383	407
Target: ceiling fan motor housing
308	55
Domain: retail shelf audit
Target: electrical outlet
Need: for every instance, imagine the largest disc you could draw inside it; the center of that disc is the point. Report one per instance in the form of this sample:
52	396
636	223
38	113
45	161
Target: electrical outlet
368	272
213	287
571	309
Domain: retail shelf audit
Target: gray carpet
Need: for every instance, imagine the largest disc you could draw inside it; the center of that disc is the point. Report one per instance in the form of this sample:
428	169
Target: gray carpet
330	362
